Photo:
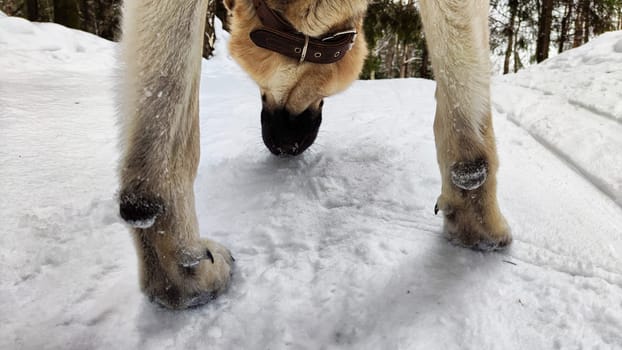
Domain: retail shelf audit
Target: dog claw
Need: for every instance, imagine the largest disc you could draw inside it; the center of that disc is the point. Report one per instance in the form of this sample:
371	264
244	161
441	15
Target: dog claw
208	255
436	209
189	260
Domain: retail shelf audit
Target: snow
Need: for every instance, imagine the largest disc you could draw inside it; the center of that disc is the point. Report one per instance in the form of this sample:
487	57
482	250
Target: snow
573	105
142	223
338	248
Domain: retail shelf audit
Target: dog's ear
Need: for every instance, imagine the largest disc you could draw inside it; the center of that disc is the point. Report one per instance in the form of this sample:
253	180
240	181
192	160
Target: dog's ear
229	5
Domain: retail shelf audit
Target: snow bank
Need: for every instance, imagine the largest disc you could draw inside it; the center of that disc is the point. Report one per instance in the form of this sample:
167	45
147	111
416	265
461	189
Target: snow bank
591	76
49	43
573	104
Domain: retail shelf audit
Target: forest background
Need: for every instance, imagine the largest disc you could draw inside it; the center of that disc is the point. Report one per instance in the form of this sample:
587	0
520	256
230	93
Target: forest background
522	32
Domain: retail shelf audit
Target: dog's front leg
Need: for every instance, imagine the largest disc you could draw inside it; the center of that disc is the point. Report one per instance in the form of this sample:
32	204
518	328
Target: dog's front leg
161	57
457	36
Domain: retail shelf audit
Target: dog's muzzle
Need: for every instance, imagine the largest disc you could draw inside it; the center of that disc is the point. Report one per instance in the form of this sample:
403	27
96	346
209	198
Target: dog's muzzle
287	134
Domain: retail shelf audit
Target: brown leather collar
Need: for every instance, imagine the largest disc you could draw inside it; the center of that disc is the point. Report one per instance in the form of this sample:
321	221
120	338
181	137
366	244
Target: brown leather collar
278	35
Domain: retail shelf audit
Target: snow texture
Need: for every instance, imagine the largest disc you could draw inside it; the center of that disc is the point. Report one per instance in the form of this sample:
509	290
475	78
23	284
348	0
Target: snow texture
142	223
572	104
336	249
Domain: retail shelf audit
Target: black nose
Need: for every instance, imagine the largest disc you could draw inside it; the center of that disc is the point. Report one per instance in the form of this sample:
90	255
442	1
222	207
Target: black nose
285	133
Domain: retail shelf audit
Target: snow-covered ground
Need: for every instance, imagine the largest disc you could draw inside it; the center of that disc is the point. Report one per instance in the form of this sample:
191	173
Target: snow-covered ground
336	249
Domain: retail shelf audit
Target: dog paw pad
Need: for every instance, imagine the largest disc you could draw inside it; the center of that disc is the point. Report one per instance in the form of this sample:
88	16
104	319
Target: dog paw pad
139	212
469	175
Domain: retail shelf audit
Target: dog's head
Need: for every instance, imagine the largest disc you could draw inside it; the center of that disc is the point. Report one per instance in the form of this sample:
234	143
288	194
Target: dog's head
293	93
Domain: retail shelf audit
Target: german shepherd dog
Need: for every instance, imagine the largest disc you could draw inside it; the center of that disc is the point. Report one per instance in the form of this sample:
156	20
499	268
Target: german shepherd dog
298	52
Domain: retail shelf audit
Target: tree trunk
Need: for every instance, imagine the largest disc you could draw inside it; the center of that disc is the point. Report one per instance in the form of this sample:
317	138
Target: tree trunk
221	13
67	13
111	19
517	63
87	20
388	59
404	62
544	30
424	72
32	9
578	26
563	31
586	20
210	34
510	32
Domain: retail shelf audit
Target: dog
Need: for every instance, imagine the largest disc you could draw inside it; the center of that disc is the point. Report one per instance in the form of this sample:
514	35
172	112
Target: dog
298	52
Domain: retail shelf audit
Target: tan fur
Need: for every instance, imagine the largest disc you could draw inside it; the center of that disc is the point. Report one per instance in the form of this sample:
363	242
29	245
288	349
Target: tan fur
457	36
159	111
160	132
285	82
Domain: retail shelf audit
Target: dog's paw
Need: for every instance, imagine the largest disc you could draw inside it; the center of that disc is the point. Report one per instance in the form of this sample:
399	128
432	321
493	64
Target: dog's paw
195	276
474	227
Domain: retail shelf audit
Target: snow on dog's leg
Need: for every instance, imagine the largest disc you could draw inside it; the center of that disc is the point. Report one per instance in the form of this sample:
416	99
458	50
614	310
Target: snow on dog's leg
457	36
161	54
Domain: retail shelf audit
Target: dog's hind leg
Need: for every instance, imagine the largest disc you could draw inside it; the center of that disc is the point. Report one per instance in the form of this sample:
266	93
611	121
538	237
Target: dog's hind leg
161	57
457	36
